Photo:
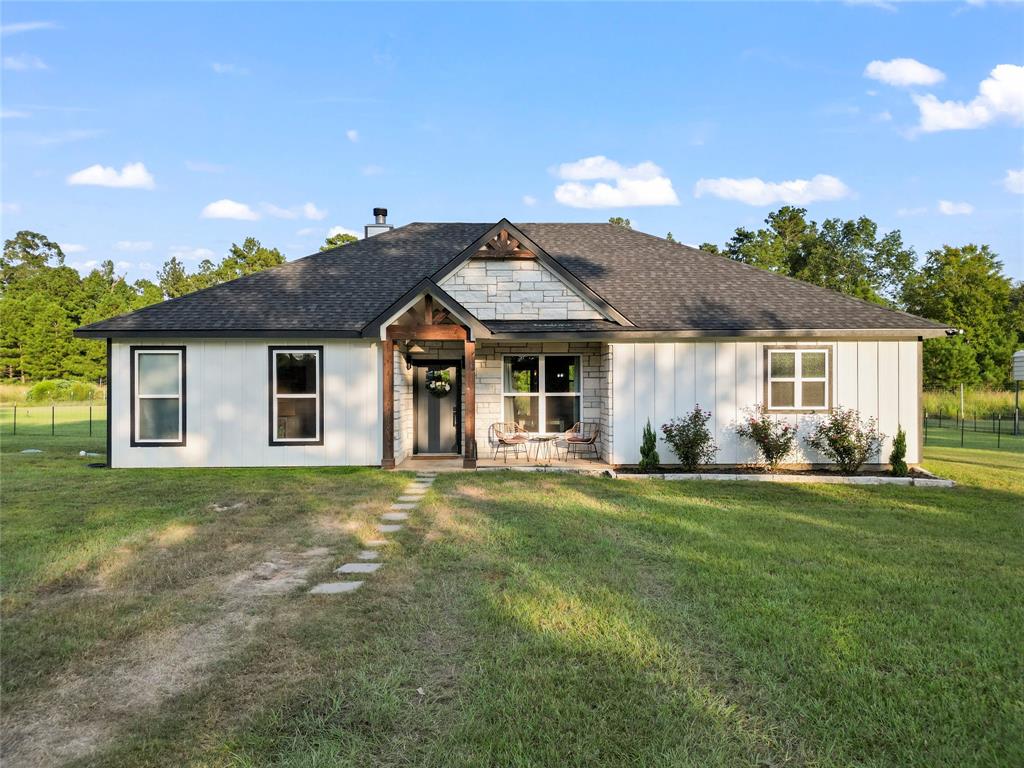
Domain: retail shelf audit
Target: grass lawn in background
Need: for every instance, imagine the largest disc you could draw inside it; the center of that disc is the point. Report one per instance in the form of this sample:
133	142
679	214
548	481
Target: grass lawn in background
519	620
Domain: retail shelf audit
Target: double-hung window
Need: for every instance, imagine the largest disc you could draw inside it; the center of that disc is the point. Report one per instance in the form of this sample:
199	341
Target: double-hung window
296	395
798	379
542	392
158	396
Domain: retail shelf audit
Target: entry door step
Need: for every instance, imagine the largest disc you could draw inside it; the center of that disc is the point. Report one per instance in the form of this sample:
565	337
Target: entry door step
357	568
403	506
335	587
389	528
395	516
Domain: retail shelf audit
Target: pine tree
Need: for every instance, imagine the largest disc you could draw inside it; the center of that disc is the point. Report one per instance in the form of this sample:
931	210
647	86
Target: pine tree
649	459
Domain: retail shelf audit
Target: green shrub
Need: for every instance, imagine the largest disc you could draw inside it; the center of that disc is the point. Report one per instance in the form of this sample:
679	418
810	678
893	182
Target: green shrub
846	440
773	439
649	459
690	439
60	390
897	458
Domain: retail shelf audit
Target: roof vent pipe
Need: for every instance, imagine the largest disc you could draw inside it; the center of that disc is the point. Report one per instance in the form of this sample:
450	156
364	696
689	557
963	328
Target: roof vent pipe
380	223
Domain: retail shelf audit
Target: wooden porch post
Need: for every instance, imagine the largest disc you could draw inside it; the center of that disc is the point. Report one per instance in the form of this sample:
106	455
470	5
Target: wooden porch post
469	459
388	456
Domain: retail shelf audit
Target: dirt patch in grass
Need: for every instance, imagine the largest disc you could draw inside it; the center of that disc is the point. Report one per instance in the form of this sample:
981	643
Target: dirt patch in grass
83	711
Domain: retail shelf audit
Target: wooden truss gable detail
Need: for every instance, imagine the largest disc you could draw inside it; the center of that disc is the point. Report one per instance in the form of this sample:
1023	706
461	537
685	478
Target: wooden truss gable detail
504	246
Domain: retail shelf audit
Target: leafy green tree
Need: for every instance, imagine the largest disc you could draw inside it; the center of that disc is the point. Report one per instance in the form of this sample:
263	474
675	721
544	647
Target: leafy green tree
619	221
338	240
173	278
14	324
846	256
670	237
28	252
965	287
709	248
249	257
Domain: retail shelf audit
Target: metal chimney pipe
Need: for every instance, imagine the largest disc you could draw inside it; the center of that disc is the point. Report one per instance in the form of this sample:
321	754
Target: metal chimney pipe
380	223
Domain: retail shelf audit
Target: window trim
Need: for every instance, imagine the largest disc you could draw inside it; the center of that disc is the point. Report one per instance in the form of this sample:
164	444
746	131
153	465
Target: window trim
134	412
272	438
797	379
541	392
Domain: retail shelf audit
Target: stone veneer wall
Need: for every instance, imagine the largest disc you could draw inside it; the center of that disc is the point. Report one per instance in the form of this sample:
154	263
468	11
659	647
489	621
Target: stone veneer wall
595	360
510	289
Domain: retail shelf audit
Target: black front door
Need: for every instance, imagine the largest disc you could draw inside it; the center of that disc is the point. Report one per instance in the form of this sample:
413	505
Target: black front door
437	400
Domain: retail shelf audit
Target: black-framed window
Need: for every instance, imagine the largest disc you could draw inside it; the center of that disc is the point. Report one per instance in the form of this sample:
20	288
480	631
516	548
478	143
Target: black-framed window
542	392
158	396
296	396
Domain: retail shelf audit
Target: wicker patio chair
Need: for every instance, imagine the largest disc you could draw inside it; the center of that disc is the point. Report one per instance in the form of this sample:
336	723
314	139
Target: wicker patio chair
583	436
505	436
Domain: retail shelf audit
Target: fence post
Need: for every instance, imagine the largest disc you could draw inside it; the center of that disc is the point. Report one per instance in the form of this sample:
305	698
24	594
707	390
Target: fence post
926	427
999	432
15	418
90	420
962	423
53	423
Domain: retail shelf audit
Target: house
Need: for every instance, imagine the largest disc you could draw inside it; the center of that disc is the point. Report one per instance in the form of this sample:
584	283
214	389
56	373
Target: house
414	340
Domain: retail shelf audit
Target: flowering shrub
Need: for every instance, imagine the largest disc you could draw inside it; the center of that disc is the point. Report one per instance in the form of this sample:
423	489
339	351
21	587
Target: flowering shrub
690	439
774	439
846	440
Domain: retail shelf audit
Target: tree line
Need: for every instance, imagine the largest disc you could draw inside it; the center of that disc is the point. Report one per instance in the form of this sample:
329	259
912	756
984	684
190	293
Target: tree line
42	300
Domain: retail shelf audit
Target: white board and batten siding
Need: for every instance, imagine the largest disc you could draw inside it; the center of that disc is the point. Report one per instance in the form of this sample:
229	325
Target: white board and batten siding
662	380
227	403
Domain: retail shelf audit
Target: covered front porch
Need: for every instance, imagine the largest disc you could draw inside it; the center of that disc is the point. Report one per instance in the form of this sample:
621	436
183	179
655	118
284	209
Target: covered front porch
449	395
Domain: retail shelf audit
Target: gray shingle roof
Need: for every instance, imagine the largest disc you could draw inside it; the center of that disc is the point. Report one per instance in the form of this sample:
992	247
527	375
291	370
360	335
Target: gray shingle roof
656	284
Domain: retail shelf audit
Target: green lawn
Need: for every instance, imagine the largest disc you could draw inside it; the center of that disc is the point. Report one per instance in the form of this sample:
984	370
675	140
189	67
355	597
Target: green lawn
520	620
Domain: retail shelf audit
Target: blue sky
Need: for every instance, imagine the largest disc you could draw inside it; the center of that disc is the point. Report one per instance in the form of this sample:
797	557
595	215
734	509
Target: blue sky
134	132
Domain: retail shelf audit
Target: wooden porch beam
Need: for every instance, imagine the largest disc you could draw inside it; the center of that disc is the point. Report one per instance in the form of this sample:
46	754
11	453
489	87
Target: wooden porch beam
388	455
469	457
428	309
427	332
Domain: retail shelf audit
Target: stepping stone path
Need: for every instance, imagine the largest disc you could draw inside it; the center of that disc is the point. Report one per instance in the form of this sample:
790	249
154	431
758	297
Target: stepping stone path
411	496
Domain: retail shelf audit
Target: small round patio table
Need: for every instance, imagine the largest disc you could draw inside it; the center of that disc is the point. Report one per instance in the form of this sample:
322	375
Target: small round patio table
543	449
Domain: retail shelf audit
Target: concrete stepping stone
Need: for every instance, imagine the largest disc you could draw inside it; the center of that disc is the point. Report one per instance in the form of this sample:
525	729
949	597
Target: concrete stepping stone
335	587
403	506
383	528
375	542
410	499
357	568
395	516
367	554
418	490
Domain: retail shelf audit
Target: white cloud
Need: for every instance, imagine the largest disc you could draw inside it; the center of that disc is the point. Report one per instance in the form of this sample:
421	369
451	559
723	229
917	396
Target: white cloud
884	116
123	264
343	231
352	135
13	114
133	246
228	69
881	4
305	211
903	72
372	170
229	209
10	208
201	167
131	176
1014	181
529	200
188	253
754	191
23	62
638	185
918	211
70	248
306	231
84	267
1001	94
277	212
311	212
25	26
949	208
61	137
